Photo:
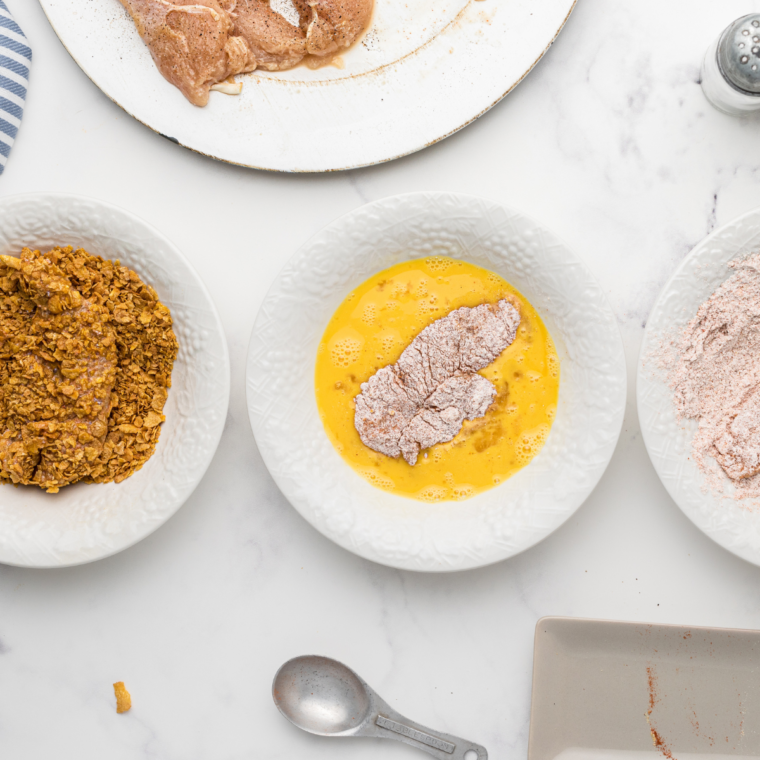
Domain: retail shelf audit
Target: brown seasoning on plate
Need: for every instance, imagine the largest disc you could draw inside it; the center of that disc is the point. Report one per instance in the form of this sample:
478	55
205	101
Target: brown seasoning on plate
654	698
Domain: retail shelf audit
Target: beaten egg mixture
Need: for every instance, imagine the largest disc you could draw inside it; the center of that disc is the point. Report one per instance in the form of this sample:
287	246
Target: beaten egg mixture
371	328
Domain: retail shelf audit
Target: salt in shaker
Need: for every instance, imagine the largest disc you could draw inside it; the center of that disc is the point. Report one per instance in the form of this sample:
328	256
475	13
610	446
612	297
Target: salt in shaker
731	69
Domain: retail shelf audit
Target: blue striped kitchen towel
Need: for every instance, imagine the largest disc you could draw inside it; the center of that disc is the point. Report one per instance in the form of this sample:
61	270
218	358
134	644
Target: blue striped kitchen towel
15	59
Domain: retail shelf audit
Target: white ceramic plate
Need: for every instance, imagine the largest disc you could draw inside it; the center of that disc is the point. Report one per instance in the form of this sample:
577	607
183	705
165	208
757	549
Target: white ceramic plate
668	440
403	532
601	688
423	71
82	523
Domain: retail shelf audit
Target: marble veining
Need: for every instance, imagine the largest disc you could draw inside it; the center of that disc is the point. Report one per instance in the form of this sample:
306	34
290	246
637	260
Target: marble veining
610	144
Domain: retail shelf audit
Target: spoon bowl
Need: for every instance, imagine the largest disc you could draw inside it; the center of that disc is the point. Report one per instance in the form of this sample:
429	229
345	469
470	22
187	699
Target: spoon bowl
320	695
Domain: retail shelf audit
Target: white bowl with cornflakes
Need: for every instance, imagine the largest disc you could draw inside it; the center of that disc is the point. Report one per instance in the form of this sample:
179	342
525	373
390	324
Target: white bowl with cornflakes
395	530
83	522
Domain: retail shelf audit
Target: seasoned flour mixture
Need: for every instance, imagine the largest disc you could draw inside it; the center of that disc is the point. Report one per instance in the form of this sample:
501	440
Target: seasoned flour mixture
716	380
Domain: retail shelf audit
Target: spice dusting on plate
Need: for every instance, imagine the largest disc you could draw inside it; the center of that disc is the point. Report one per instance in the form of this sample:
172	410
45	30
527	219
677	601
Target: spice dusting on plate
424	397
654	699
715	376
86	354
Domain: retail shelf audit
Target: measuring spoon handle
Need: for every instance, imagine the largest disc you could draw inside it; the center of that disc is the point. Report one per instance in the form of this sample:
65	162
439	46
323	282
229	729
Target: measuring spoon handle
385	723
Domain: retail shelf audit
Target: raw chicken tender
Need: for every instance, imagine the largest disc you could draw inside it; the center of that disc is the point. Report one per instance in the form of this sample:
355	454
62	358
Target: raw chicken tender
330	25
199	45
191	42
275	44
425	397
738	449
462	397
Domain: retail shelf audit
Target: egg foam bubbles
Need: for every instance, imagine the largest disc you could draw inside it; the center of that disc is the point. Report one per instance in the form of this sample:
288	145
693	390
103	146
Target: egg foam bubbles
372	327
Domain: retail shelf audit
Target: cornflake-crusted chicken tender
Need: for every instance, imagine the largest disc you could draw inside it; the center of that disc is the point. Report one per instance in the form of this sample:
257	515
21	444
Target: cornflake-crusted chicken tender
86	354
425	397
57	385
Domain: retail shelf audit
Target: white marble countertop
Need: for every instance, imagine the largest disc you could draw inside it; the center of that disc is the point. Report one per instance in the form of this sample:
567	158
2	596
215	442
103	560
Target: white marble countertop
611	144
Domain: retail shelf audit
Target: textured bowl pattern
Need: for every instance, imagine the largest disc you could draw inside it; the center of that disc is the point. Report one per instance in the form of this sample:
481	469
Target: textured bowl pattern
733	525
390	529
82	523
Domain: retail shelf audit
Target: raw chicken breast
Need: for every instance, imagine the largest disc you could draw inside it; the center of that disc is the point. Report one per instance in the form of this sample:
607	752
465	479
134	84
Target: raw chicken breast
275	43
330	25
198	44
191	42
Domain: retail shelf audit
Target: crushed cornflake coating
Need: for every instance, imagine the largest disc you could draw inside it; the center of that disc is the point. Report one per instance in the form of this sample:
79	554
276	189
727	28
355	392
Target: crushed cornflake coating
86	354
123	697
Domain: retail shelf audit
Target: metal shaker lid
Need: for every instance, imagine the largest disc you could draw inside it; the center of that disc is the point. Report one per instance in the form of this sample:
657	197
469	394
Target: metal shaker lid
739	54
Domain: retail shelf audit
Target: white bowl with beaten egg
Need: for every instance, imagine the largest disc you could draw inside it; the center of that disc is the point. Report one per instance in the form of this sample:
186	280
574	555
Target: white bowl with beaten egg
399	531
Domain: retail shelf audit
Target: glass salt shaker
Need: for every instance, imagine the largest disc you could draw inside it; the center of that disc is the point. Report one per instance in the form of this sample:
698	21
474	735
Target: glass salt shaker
731	69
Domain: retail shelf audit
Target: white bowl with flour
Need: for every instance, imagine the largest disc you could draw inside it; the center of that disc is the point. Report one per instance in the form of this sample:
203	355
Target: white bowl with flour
704	494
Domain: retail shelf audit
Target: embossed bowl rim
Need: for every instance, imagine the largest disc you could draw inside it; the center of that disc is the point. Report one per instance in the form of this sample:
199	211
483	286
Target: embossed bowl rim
122	514
668	441
402	532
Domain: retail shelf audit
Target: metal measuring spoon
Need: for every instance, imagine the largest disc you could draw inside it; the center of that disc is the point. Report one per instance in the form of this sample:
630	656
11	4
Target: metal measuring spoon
324	697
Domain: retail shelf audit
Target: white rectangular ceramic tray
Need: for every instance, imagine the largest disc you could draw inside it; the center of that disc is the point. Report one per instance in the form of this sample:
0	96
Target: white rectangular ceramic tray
630	691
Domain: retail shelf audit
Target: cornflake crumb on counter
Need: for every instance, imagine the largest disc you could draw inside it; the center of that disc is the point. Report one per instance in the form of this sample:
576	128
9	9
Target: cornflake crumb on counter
123	697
